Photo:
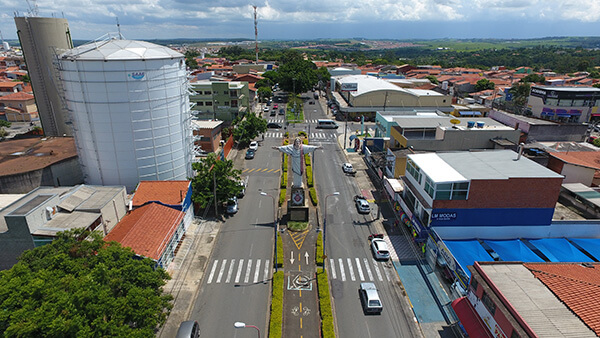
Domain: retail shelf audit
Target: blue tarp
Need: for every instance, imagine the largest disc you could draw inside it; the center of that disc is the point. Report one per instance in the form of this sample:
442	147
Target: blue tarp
514	250
559	250
467	252
591	245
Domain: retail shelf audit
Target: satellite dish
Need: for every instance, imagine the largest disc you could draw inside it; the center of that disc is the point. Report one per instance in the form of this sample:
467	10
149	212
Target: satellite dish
455	121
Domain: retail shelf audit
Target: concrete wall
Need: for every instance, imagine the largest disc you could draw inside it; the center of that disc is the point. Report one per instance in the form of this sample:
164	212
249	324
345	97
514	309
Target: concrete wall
114	211
577	174
391	98
14	242
453	139
64	173
558	132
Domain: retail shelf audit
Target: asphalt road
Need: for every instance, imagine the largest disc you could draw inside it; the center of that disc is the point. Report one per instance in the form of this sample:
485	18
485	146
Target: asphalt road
236	283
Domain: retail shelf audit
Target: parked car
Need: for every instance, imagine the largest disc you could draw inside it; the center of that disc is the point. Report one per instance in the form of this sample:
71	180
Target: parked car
253	145
311	102
379	247
232	205
274	125
275	106
266	109
243	183
188	329
369	298
250	154
273	113
281	111
362	205
348	168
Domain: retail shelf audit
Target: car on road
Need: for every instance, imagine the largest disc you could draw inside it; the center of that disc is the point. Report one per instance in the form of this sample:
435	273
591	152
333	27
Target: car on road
266	109
275	106
272	113
281	111
232	205
379	247
250	154
369	298
348	168
253	145
188	329
274	125
362	205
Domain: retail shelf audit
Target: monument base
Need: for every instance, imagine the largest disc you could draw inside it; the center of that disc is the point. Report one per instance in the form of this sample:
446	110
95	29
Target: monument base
297	209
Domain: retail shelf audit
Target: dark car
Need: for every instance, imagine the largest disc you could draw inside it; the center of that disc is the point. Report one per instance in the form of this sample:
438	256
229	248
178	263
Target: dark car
274	125
250	154
281	111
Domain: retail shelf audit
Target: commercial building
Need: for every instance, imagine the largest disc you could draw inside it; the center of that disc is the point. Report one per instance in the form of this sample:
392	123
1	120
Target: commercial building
564	104
207	136
131	112
42	39
540	130
220	100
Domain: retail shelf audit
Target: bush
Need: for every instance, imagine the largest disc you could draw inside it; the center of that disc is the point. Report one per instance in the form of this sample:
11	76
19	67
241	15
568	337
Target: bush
282	194
307	160
313	196
319	251
285	163
305	141
284	177
275	324
279	252
287	134
327	329
286	141
302	133
309	177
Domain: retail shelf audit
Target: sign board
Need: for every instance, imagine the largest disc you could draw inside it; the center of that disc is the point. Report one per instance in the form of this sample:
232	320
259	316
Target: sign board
349	87
443	216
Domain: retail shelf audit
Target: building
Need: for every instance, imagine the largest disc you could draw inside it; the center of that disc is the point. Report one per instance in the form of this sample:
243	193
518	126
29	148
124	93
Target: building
172	194
19	107
207	135
531	300
37	217
151	231
564	104
28	163
7	88
478	194
131	112
540	130
576	166
42	39
222	100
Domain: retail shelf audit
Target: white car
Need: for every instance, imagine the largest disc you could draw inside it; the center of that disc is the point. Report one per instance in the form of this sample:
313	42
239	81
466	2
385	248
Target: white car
362	205
370	298
348	168
266	109
380	249
232	205
253	145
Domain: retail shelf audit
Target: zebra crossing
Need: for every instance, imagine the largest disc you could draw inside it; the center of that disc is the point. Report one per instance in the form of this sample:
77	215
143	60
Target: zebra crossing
326	136
361	269
222	271
282	121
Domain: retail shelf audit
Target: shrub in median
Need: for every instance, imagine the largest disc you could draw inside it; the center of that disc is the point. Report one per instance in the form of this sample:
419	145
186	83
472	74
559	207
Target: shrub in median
284	180
327	329
319	253
279	252
284	166
313	196
282	194
309	177
302	133
275	323
307	160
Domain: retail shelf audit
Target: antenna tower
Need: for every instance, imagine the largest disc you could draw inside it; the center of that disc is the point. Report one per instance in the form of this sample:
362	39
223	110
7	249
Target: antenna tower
255	34
119	29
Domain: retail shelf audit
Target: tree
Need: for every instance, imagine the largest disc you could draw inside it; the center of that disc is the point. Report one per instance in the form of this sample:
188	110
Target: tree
209	170
249	128
432	79
520	91
82	288
4	123
534	78
264	82
484	84
264	93
296	75
596	142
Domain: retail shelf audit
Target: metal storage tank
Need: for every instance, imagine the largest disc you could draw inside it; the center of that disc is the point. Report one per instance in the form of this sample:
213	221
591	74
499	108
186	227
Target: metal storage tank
130	108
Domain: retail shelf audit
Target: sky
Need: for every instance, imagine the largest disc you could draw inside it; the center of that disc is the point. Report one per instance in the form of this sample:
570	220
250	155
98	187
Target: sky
312	19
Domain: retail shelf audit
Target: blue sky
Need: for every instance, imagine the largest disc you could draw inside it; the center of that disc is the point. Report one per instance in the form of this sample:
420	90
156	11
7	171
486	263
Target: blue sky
310	19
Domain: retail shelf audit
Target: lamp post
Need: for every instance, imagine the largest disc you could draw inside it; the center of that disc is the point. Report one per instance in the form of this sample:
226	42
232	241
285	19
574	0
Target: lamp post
240	325
274	223
325	217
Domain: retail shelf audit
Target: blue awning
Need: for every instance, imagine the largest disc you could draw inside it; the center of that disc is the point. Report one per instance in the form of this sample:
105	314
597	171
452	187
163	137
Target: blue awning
469	113
514	250
468	252
575	112
547	110
562	113
591	245
559	250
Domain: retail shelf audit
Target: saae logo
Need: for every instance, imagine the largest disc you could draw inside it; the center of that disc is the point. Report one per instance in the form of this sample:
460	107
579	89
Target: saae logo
136	75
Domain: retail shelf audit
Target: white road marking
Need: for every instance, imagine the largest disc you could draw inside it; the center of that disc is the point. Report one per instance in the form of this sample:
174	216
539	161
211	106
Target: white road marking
257	271
266	276
228	279
360	273
377	271
221	271
332	268
239	271
342	272
212	271
248	268
368	269
351	269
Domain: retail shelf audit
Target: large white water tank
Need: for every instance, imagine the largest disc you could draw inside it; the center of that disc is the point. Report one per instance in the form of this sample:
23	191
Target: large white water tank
130	109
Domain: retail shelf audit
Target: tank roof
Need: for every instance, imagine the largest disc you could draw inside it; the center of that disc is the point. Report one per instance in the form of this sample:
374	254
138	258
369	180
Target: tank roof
115	49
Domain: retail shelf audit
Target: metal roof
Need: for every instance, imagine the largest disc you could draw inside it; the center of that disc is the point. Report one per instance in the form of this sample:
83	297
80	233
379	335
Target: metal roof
115	49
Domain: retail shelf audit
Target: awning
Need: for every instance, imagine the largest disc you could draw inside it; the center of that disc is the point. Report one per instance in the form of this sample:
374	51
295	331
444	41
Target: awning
469	113
469	319
596	115
562	113
575	112
547	110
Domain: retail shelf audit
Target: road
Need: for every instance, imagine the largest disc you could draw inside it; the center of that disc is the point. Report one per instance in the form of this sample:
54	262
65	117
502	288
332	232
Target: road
236	283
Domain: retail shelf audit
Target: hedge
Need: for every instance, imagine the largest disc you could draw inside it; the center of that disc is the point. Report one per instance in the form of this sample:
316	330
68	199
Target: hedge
305	141
276	319
279	252
307	160
319	254
327	329
287	134
313	196
309	177
286	142
284	180
282	194
285	163
302	133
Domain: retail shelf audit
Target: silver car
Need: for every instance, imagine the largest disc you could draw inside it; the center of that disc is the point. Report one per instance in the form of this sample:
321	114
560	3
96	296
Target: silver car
380	249
369	298
232	205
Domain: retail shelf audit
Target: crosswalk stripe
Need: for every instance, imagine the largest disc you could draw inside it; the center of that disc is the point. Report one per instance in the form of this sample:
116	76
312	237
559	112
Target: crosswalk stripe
360	272
342	272
256	271
239	271
266	276
368	269
351	269
228	279
377	271
223	264
248	268
212	271
332	268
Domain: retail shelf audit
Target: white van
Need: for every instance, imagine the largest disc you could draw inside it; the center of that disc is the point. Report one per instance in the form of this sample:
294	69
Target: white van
327	124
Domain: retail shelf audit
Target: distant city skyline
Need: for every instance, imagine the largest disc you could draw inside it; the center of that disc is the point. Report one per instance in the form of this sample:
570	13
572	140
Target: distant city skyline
285	20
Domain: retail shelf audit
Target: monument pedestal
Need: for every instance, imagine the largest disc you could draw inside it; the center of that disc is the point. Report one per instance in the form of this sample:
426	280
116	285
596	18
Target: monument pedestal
297	209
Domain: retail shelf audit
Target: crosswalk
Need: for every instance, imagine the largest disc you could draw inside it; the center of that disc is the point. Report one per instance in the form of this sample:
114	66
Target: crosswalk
246	271
282	120
326	136
360	269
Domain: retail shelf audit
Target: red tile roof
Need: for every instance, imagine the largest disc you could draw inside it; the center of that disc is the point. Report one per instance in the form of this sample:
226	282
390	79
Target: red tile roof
588	159
19	96
575	285
167	192
147	230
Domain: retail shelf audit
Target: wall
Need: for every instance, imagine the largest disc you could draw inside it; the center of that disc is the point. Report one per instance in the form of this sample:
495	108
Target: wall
577	174
64	173
455	139
556	229
114	211
557	132
398	99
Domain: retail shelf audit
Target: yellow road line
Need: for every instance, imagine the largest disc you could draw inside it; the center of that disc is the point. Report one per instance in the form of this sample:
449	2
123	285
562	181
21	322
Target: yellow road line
300	322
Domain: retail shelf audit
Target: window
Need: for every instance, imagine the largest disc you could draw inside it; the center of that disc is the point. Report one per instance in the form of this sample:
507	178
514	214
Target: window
208	103
578	103
460	190
552	102
443	191
413	170
474	284
234	103
565	102
489	304
200	103
207	92
225	92
233	93
429	186
410	199
226	103
451	191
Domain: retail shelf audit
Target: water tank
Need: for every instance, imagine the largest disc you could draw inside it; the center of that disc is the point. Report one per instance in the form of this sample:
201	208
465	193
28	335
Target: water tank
5	46
480	124
130	108
470	124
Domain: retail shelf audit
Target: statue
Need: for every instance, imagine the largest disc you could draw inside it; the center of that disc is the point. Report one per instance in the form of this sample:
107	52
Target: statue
297	151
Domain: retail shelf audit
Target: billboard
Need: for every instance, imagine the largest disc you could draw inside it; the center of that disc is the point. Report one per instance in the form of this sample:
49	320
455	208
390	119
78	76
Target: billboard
349	87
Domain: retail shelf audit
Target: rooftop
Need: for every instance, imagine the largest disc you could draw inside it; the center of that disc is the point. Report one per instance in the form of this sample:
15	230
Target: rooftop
166	192
588	159
569	89
115	49
25	155
206	124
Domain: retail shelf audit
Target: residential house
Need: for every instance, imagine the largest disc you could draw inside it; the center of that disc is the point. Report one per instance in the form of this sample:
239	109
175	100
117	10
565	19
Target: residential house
223	100
576	166
207	135
172	194
19	107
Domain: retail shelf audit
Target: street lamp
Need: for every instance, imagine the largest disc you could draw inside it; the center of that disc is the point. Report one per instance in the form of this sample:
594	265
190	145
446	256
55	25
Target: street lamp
325	217
240	325
274	223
